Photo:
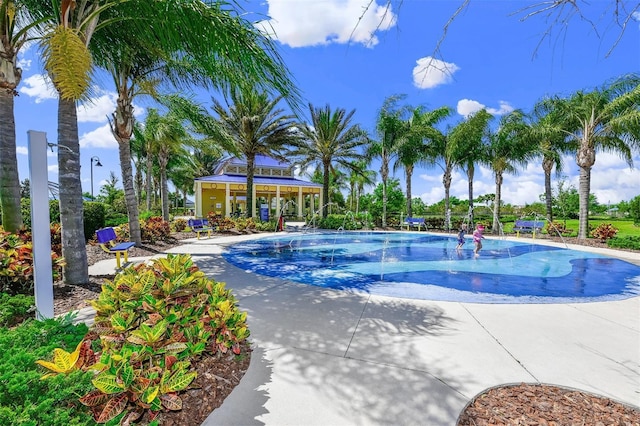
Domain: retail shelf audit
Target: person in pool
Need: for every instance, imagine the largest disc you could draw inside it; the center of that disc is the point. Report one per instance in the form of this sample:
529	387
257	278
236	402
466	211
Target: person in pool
461	232
477	239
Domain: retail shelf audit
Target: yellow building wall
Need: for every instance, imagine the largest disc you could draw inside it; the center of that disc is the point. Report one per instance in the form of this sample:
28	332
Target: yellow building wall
213	201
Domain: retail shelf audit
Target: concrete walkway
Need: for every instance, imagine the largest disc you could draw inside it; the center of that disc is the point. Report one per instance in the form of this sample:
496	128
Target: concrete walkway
328	357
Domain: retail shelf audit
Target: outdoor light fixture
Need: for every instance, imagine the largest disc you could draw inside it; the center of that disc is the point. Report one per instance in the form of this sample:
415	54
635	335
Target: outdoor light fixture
94	160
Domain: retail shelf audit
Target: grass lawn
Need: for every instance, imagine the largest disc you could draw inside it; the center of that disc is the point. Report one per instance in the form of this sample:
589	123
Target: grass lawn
625	228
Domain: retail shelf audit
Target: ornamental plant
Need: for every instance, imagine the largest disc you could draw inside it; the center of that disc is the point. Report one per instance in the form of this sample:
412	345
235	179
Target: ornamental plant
152	321
16	262
604	231
155	228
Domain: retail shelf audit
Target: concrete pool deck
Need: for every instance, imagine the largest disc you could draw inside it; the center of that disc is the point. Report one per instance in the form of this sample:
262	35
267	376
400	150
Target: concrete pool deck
329	357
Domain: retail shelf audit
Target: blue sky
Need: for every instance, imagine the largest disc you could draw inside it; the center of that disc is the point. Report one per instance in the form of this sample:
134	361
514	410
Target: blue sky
493	57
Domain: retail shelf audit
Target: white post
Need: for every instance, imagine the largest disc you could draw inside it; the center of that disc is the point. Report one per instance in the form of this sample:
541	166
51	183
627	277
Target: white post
40	228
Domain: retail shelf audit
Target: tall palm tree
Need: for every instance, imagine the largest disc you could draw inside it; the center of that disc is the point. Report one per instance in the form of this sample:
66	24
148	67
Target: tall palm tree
222	48
420	131
359	178
467	143
605	119
391	127
508	149
14	27
168	139
547	132
330	139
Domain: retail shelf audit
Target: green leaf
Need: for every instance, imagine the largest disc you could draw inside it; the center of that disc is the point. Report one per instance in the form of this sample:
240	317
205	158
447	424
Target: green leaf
127	374
180	381
107	383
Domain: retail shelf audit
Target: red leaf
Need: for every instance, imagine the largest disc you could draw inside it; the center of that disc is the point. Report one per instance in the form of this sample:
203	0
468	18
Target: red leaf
93	398
112	408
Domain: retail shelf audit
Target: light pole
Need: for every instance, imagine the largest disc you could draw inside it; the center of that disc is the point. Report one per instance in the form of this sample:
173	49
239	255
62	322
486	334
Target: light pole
98	164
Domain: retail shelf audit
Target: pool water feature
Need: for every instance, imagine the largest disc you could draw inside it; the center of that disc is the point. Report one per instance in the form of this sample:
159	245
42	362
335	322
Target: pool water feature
428	266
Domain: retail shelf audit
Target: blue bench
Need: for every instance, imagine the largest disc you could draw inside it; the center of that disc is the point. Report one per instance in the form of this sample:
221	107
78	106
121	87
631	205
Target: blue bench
417	222
532	226
199	226
107	239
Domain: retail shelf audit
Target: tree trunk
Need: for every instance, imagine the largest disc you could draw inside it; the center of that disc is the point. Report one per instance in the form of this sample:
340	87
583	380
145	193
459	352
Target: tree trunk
325	185
585	159
584	186
148	178
384	174
138	183
409	173
122	128
164	193
470	173
446	181
251	165
74	251
9	179
547	166
495	226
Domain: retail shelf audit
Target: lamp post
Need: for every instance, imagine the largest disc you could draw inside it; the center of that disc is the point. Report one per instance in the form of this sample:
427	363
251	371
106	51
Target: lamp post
95	160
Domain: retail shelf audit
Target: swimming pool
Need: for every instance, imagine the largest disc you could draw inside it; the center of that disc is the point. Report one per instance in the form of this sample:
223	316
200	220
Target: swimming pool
427	266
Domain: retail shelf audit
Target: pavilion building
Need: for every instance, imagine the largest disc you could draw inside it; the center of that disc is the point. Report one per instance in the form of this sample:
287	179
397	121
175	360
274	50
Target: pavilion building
275	190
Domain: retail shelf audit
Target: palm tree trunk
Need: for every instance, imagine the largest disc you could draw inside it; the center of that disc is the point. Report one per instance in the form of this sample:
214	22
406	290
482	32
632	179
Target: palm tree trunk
148	178
584	186
384	173
325	186
122	128
409	173
251	165
495	227
470	173
446	180
9	179
74	251
138	183
547	165
164	192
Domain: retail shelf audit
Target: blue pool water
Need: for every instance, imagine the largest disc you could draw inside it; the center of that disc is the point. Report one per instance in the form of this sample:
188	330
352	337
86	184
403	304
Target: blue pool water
425	266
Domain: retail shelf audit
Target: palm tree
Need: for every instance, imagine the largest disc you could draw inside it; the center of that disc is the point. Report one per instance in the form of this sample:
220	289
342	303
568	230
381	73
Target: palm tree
508	148
603	119
330	139
223	49
546	130
359	178
14	26
467	143
411	150
391	128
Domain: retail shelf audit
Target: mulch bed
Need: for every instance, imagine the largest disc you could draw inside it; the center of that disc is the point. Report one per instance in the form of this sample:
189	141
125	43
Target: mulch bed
539	404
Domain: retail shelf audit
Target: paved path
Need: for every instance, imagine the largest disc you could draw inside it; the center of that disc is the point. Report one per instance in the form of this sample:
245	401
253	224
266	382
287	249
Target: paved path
328	357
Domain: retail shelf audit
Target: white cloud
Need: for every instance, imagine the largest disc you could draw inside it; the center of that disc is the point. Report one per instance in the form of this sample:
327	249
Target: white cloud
38	86
25	64
99	138
53	169
636	16
97	109
22	150
312	23
431	72
466	107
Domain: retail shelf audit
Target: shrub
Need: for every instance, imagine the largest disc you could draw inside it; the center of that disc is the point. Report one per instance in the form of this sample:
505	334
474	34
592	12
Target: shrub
94	218
115	219
604	231
154	229
15	309
629	242
152	320
555	228
220	223
16	263
266	225
24	398
179	225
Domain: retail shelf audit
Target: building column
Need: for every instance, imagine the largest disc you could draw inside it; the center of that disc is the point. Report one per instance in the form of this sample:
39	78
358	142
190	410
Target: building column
198	200
227	201
256	208
277	200
300	201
